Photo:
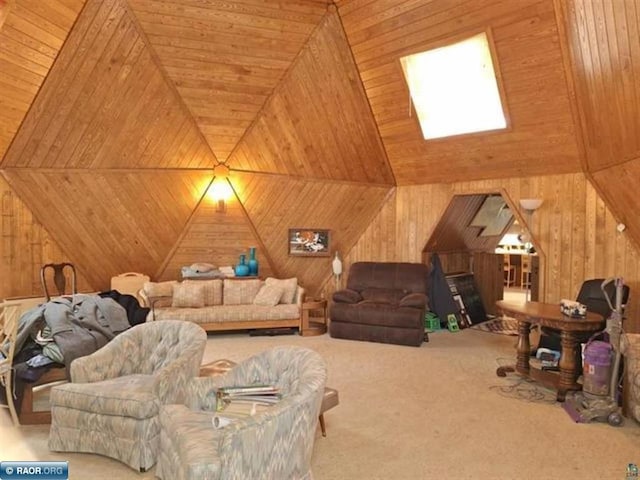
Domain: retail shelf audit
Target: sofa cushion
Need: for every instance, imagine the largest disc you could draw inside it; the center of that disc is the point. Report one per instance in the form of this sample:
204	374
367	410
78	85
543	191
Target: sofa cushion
159	289
346	296
382	314
412	277
230	313
126	396
383	295
188	295
416	300
269	295
212	291
289	286
240	292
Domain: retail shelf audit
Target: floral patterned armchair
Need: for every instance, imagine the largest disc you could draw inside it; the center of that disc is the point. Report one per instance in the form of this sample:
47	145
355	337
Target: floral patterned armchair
112	404
275	443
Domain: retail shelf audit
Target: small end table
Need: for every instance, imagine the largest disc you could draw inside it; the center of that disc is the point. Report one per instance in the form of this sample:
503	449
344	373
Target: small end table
314	317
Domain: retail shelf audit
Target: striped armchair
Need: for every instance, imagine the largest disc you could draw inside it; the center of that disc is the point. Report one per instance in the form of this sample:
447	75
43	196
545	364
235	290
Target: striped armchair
112	404
274	444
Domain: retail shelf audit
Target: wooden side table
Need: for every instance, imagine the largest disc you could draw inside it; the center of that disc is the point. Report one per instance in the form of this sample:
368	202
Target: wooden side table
314	318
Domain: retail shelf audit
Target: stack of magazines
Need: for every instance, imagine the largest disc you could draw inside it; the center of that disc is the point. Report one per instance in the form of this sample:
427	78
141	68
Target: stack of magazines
237	398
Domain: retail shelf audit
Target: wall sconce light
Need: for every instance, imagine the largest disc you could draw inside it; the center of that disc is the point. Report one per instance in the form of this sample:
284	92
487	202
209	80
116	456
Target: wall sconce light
220	190
530	205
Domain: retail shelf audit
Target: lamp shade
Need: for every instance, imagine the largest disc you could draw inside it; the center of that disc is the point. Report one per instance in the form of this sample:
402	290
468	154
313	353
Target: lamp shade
530	203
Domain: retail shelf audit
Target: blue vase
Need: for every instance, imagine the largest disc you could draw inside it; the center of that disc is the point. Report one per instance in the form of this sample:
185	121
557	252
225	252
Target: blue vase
242	269
253	262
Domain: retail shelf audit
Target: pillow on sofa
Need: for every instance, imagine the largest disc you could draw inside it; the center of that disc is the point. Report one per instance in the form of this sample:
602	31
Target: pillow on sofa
240	292
212	291
383	295
346	296
188	295
159	289
289	287
269	295
417	300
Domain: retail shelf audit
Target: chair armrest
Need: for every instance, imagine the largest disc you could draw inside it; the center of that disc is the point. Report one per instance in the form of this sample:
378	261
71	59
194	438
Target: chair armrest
171	381
415	300
346	296
103	364
300	297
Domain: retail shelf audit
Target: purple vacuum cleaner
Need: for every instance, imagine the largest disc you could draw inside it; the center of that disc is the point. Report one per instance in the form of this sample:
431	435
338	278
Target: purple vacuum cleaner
597	401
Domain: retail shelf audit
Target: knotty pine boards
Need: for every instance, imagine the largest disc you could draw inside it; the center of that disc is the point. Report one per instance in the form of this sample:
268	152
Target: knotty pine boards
541	137
32	33
26	246
574	228
317	123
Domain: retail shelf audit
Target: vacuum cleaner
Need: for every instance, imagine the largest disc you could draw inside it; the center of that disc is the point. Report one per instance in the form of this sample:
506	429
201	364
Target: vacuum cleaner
598	401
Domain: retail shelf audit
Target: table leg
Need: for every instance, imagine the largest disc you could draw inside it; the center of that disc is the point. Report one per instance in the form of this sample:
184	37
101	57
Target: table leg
568	367
524	347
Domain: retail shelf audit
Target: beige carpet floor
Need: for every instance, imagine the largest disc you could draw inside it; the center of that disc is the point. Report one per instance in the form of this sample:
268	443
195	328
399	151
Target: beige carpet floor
434	412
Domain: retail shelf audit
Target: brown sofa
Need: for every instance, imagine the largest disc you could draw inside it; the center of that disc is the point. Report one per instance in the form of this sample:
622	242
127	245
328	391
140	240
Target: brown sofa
383	302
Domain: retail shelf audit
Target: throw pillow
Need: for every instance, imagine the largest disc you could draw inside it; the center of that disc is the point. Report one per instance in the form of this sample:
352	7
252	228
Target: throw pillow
202	267
212	291
289	288
159	289
188	295
240	292
268	296
417	300
346	296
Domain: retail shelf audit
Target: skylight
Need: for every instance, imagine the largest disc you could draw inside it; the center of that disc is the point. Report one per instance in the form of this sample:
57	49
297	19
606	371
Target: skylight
454	89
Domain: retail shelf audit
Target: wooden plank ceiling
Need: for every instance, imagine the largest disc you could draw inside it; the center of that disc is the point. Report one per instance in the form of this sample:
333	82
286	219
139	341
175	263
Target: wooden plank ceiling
119	109
604	45
317	124
541	136
226	58
31	35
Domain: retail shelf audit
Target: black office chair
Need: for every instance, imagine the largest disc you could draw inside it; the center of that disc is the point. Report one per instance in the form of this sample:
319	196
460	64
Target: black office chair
592	296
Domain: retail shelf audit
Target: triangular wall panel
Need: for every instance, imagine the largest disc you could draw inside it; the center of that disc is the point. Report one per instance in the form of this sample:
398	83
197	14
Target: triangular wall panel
31	35
112	222
318	122
276	204
217	237
106	104
225	58
25	246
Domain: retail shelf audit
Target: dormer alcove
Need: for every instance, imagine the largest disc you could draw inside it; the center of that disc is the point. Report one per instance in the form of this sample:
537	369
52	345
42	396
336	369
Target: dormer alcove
468	237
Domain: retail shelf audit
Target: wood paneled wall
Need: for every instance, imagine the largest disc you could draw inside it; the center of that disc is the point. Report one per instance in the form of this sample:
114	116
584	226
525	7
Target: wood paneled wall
318	123
574	230
225	58
541	135
276	203
109	222
604	60
26	246
31	35
216	237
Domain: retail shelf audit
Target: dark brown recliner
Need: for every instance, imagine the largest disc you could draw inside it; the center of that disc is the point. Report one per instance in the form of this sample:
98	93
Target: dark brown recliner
383	302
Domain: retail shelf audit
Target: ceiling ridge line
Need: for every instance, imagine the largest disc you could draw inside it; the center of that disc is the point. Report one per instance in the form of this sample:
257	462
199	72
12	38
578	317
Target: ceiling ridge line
108	169
170	83
312	179
277	87
363	91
